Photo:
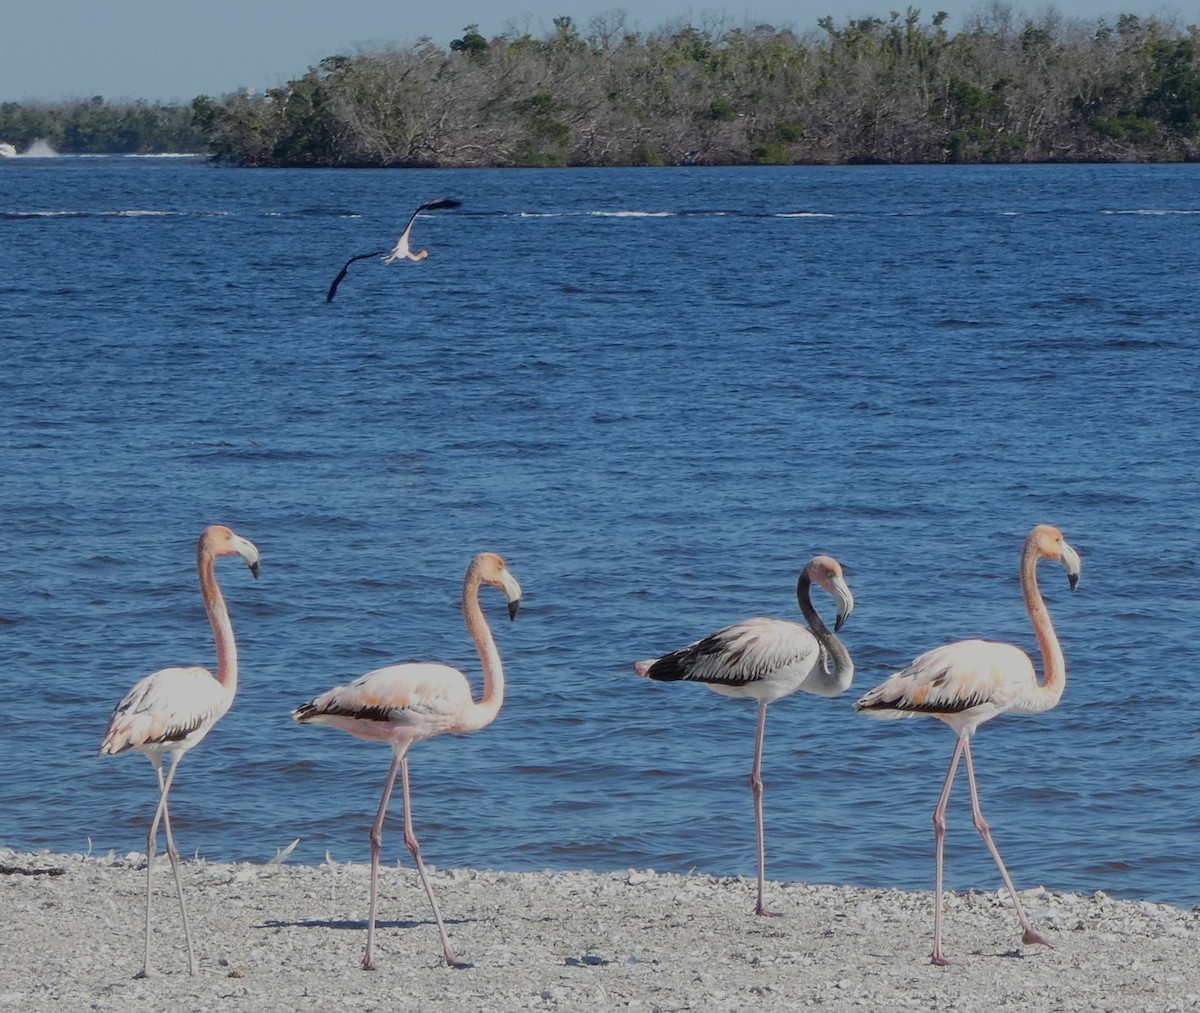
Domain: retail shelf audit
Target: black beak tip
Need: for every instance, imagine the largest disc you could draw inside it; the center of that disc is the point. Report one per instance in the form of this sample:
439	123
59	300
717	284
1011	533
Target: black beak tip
1073	580
254	570
513	608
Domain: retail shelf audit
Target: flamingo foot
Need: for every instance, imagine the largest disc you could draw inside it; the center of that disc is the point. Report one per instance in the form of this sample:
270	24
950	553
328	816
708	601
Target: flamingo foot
458	965
1032	937
148	972
939	959
367	963
764	913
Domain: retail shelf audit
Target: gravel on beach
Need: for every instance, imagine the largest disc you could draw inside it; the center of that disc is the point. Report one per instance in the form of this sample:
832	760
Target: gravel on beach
281	937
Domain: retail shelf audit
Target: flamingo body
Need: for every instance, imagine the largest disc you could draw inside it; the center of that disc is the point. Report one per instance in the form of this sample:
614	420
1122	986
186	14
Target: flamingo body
766	659
403	704
760	658
966	683
170	711
400	704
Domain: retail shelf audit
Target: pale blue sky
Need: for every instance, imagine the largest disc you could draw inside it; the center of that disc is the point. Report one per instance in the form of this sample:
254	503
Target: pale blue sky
172	50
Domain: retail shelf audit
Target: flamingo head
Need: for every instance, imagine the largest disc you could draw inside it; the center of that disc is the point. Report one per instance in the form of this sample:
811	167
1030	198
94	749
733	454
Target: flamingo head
218	540
827	571
1051	544
492	570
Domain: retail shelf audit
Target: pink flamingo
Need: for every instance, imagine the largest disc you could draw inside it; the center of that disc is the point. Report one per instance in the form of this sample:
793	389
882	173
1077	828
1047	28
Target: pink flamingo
765	659
171	710
402	704
970	682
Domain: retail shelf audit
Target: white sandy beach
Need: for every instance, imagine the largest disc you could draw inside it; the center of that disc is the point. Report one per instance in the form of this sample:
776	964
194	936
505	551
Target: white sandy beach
280	937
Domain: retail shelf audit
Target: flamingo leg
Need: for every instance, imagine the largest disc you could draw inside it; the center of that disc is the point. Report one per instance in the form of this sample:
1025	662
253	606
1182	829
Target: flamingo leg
173	855
756	787
410	840
368	961
939	837
160	813
1030	935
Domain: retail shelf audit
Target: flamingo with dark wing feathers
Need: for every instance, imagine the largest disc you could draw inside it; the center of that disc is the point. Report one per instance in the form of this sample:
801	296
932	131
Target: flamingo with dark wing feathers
402	249
403	704
765	659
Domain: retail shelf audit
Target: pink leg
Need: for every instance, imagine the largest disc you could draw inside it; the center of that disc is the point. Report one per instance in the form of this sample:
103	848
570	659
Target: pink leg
756	786
939	837
1030	935
161	813
410	839
368	961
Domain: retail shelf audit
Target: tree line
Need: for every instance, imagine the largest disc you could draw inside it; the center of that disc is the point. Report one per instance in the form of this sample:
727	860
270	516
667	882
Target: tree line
93	126
1006	88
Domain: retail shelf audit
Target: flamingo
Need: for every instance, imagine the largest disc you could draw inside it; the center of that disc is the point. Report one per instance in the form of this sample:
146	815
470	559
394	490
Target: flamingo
969	682
171	710
403	704
765	659
401	251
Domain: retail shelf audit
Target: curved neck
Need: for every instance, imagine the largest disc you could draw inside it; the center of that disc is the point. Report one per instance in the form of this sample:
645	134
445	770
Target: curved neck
824	681
218	618
488	706
1054	665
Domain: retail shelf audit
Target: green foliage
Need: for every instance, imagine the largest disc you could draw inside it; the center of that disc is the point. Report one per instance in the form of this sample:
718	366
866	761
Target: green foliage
771	154
93	126
721	110
865	89
471	43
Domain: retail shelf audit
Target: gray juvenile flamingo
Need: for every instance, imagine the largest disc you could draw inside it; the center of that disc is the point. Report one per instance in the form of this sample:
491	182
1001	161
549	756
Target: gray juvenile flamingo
403	704
765	659
171	710
969	682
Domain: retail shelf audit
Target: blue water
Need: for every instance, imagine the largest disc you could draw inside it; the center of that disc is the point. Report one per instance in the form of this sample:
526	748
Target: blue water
656	393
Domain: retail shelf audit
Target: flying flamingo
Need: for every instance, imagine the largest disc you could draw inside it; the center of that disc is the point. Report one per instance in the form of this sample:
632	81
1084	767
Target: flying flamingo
403	704
971	681
401	251
174	708
765	659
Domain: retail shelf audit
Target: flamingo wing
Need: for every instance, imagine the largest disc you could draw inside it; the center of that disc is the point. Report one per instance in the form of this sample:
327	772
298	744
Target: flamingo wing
171	707
739	655
979	676
342	274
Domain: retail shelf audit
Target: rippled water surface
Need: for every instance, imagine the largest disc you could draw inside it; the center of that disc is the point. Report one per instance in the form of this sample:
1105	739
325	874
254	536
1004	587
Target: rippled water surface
656	393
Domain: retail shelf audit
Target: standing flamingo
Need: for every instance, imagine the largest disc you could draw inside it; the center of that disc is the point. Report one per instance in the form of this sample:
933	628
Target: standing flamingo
765	659
971	681
171	710
402	704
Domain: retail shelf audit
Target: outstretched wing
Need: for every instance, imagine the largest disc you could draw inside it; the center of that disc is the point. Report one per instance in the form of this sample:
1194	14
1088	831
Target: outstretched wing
433	205
342	273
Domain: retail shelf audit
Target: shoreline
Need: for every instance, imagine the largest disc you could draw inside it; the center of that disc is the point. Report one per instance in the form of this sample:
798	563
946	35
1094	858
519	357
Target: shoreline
290	937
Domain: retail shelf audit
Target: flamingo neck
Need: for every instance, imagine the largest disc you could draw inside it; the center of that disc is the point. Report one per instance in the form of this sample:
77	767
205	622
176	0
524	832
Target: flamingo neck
1054	679
218	618
824	681
488	706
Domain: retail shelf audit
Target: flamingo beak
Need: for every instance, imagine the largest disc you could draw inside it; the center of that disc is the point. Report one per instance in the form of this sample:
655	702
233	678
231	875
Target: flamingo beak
512	593
844	599
249	553
1071	563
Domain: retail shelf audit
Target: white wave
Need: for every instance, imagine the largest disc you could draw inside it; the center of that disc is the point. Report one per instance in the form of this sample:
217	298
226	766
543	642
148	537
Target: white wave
804	214
632	214
1153	211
